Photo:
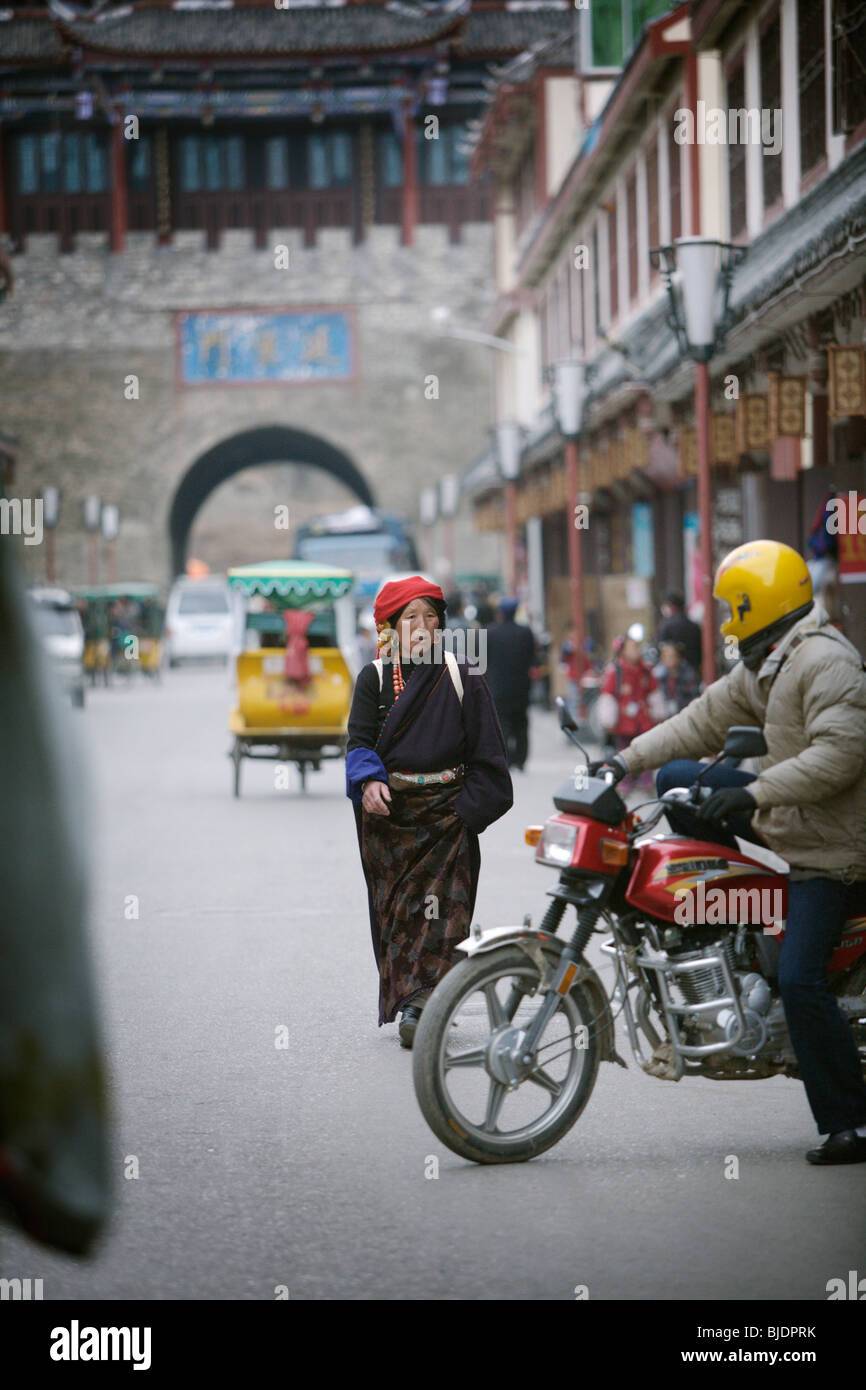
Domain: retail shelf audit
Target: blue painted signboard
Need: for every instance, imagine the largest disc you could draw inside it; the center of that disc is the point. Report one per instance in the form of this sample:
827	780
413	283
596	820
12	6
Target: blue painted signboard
289	346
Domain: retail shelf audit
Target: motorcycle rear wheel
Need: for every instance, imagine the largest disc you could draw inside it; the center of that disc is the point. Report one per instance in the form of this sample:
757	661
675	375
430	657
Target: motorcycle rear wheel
436	1056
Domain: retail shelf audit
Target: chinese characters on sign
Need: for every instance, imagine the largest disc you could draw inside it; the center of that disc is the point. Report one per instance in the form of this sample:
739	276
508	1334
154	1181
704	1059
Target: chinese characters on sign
292	346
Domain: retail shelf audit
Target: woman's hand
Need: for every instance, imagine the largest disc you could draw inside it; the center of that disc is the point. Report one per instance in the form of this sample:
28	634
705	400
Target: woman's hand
376	798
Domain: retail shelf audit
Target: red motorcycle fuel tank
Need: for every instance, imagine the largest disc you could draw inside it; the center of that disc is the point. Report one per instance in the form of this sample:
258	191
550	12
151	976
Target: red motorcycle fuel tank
692	882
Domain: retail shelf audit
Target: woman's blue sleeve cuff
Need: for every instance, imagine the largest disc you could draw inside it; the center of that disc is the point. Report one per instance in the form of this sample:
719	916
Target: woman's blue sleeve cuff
362	763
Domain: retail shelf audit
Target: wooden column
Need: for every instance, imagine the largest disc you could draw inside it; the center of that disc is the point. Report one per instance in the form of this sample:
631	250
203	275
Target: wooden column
119	200
4	221
162	177
410	179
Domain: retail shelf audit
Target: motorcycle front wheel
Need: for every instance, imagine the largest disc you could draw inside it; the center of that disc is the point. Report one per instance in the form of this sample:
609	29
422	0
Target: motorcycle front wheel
461	1060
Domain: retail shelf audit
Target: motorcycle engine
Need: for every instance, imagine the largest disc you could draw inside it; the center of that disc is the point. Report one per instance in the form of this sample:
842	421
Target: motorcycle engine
766	1030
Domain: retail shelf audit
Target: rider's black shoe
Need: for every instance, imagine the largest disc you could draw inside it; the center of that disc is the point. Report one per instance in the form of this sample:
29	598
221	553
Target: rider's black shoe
408	1023
846	1146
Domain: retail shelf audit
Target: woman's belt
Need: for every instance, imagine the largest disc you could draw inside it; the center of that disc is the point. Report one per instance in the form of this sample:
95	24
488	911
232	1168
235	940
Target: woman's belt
424	779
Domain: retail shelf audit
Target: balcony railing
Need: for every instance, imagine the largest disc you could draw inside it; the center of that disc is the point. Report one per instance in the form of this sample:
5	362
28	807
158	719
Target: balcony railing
261	210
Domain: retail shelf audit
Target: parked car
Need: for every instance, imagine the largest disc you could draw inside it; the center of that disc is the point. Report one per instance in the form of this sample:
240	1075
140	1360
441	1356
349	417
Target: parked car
59	624
198	621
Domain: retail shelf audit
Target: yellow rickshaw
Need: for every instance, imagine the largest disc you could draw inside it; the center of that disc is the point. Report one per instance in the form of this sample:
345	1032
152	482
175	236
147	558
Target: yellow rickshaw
92	604
114	613
296	661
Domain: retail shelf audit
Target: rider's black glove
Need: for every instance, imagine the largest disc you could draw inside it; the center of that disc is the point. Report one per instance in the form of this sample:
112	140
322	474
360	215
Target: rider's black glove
614	765
727	801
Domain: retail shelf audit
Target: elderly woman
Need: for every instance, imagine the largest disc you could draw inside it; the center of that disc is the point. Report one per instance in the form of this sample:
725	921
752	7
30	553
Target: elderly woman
427	771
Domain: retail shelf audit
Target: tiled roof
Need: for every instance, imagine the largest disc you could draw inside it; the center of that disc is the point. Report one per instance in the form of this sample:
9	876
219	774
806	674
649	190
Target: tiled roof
263	30
156	30
30	41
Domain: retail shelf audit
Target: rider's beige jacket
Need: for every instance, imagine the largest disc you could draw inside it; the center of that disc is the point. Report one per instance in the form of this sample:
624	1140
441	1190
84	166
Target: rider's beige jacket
811	787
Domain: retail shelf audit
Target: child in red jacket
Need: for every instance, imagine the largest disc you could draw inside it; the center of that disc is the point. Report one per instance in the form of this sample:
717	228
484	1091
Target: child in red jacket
630	698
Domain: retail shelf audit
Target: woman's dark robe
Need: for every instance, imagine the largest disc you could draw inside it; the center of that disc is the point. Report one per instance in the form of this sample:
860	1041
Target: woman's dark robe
422	861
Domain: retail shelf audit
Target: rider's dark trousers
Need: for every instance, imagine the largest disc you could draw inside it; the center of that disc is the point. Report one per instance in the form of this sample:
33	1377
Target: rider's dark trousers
817	909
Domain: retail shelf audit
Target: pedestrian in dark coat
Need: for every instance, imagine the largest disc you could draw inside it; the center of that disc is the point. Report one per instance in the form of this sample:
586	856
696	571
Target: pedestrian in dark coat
676	627
427	772
511	655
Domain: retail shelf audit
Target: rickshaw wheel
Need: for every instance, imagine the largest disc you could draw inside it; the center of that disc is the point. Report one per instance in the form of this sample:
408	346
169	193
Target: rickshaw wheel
236	756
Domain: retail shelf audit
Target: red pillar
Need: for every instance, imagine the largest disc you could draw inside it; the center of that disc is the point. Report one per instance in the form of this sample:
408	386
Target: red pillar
575	559
705	518
510	536
410	179
118	187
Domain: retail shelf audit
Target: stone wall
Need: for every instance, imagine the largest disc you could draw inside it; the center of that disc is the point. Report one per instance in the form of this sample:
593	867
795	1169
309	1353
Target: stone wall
79	324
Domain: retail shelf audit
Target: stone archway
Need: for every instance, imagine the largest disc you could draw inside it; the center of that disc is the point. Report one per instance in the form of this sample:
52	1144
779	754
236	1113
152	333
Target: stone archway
248	449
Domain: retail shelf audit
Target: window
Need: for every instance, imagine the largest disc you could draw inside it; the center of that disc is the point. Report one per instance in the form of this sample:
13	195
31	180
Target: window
810	40
276	163
28	164
612	224
390	159
613	28
50	155
849	64
190	180
330	158
212	163
737	152
234	160
631	225
139	171
771	100
56	161
95	163
440	160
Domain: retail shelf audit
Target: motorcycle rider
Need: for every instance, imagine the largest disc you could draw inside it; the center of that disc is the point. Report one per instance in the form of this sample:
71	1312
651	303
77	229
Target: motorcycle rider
805	684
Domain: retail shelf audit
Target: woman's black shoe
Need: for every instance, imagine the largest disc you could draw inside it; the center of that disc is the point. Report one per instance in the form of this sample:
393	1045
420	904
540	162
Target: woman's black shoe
408	1023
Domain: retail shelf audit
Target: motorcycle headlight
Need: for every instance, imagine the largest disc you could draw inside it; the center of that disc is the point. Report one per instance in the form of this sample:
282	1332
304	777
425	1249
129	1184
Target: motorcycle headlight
556	845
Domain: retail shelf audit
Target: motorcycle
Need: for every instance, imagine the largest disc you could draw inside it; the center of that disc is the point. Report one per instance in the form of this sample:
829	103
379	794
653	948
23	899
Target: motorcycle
510	1043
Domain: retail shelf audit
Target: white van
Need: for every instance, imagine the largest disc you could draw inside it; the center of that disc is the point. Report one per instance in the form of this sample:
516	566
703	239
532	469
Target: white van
60	629
198	620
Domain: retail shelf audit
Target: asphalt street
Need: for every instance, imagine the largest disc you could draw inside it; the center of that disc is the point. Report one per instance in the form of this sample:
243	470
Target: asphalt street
304	1165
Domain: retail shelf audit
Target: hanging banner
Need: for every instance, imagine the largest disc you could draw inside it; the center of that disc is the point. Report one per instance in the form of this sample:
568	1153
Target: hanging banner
847	379
852	541
752	425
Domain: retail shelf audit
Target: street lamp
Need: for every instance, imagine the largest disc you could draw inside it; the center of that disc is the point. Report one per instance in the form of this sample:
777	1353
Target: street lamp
110	525
568	380
92	517
697	273
50	518
509	447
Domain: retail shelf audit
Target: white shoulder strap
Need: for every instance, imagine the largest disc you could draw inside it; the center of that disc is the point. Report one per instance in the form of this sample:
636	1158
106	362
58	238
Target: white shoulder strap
452	667
455	674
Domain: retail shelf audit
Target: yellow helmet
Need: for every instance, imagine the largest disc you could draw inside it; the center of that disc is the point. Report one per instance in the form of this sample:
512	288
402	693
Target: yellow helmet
764	583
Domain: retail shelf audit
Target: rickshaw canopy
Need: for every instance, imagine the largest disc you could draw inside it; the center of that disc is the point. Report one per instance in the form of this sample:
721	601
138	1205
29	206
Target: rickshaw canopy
292	583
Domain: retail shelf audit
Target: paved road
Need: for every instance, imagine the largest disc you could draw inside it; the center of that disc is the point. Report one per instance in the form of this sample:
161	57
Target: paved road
305	1165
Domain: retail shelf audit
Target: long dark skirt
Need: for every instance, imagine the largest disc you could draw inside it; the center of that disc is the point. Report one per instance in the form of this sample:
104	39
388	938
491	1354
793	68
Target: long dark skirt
421	864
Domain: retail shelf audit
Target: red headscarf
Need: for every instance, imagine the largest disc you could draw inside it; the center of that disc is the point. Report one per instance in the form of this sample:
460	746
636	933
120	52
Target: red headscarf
394	596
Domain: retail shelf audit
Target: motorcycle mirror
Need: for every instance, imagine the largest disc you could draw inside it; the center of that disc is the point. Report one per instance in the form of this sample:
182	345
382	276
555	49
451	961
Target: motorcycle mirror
566	720
744	741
